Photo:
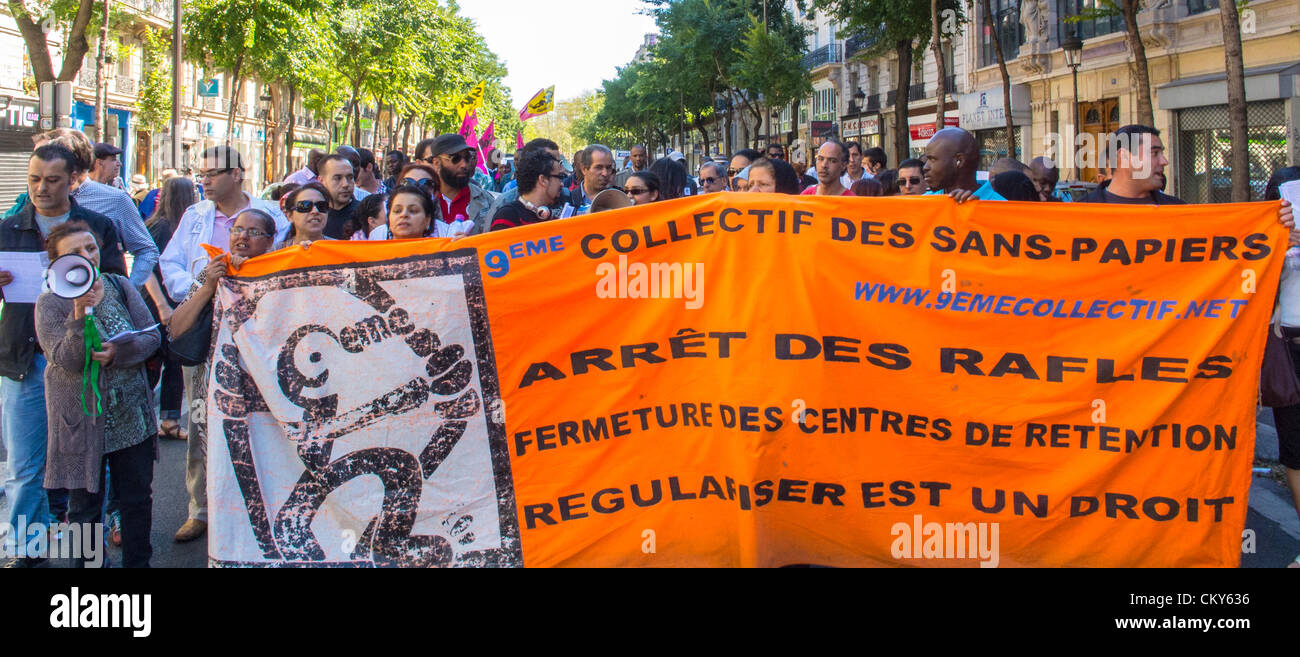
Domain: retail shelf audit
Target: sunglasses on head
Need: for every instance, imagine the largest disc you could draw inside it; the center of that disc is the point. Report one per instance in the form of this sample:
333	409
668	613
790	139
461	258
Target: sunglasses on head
427	182
463	156
306	206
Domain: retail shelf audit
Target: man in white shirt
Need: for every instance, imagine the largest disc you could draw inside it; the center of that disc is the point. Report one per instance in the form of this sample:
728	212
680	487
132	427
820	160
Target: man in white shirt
209	221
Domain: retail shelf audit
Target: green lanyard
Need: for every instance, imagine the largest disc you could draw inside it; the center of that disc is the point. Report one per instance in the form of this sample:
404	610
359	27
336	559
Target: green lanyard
90	372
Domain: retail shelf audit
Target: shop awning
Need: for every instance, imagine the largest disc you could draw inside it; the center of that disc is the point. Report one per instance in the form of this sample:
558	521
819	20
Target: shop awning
1262	83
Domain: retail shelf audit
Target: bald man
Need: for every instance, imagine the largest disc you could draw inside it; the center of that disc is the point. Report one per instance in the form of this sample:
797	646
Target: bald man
1005	164
951	159
1045	175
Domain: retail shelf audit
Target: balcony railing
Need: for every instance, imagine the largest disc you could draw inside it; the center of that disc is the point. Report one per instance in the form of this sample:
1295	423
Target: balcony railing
124	85
210	103
917	91
856	44
832	53
86	78
873	104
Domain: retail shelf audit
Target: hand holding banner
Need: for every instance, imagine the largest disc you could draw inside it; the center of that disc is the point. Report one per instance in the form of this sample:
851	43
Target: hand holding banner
751	380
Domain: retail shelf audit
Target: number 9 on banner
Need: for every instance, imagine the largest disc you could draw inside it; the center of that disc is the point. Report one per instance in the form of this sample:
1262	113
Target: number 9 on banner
498	263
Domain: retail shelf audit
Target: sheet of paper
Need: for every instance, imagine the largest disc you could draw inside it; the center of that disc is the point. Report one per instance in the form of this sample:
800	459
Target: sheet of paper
1290	191
126	334
28	269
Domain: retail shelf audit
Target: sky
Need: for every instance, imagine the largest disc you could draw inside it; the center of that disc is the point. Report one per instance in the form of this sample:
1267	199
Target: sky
572	44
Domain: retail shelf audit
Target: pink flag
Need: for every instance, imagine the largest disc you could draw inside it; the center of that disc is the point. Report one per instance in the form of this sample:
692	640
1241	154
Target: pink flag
488	135
519	140
469	127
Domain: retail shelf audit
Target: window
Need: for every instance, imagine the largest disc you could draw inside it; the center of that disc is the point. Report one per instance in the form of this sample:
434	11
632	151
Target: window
1205	149
1005	23
824	104
1086	29
1198	6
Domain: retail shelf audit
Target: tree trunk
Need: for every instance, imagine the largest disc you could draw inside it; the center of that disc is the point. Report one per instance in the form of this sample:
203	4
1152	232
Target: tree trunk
290	135
1145	115
101	81
234	97
406	132
38	50
936	46
1006	83
703	129
903	134
726	138
1240	155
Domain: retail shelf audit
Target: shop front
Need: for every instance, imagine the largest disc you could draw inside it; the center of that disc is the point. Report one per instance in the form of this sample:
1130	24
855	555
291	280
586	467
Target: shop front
19	122
1201	146
864	129
922	128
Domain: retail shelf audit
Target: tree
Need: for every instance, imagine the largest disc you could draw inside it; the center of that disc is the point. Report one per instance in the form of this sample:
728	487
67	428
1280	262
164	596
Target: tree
153	105
1128	10
901	26
75	14
1006	79
1240	156
241	37
770	68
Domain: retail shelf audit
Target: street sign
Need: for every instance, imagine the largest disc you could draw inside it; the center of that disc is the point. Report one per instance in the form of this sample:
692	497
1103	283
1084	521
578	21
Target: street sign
208	88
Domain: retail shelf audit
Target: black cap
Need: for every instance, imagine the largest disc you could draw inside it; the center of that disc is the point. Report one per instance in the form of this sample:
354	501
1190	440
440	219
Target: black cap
106	150
449	144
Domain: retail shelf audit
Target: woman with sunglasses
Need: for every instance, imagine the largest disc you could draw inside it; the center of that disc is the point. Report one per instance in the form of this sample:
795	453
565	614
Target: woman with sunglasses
410	213
308	208
642	187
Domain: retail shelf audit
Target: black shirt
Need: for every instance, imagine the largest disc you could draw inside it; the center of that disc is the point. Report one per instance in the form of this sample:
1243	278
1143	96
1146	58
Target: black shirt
513	214
1103	195
336	218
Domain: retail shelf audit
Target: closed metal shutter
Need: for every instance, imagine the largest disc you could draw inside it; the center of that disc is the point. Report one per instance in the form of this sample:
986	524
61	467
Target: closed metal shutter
1205	145
15	151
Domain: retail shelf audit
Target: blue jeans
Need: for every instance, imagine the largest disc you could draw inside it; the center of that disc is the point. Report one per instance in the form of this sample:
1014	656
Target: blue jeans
24	426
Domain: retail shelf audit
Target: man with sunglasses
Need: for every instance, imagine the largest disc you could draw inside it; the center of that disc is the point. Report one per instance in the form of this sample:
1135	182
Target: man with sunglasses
221	170
713	178
511	192
461	199
911	179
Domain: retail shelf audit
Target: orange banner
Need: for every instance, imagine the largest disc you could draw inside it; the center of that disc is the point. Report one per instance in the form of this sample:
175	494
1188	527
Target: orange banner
752	380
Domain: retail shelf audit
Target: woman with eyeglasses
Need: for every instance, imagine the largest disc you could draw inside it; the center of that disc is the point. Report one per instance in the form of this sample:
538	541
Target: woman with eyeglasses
410	213
308	208
642	187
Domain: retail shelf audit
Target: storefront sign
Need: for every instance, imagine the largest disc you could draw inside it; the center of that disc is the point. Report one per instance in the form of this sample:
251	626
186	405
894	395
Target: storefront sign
924	131
986	109
860	126
822	128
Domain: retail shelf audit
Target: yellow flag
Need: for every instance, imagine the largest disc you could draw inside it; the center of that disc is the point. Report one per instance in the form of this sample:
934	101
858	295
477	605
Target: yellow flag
542	102
472	101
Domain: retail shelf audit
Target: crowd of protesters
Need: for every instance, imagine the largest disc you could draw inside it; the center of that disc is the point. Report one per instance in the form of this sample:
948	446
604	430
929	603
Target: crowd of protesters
68	465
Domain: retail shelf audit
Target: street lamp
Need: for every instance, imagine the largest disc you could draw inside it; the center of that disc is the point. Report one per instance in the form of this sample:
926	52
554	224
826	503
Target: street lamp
1073	47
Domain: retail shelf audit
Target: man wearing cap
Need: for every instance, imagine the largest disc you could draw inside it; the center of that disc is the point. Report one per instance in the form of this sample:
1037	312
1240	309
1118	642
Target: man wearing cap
638	161
459	199
107	166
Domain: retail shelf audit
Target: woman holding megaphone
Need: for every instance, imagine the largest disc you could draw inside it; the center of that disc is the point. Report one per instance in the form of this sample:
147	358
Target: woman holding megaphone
97	333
